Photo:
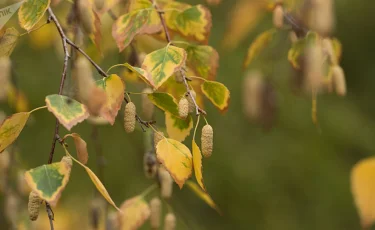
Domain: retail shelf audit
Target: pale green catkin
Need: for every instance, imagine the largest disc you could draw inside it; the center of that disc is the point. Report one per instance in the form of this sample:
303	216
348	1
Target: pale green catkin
207	140
129	117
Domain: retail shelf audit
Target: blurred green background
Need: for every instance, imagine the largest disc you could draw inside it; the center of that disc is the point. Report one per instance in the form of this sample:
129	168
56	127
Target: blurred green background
294	176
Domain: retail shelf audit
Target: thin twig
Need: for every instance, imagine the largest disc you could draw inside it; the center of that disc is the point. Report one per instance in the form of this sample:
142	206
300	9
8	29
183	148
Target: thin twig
198	110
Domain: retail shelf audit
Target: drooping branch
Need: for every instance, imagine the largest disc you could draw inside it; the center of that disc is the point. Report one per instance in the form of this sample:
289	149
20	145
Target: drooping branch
198	110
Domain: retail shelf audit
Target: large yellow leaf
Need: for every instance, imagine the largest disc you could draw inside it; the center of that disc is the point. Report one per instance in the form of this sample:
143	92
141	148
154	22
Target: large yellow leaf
176	158
115	89
11	128
197	160
135	212
177	128
363	189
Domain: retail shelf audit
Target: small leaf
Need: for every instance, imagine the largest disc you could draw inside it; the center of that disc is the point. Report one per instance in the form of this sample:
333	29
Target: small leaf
177	128
197	161
165	102
176	158
31	12
203	195
49	180
115	89
81	147
68	111
259	44
217	93
8	42
144	21
11	128
203	60
298	48
363	190
96	181
135	212
194	23
162	63
143	74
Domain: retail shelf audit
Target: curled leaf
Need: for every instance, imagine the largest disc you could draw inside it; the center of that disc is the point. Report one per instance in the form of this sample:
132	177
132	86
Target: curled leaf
81	147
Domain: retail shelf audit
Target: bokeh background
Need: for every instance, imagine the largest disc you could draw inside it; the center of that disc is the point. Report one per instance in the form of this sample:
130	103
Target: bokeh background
293	176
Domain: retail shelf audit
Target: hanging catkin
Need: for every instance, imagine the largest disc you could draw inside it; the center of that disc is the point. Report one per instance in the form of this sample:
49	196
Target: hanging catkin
278	16
191	102
129	117
34	205
170	222
166	182
338	80
207	140
155	207
183	108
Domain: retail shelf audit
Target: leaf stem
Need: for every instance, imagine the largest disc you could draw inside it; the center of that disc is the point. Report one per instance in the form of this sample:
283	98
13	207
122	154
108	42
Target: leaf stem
39	108
196	126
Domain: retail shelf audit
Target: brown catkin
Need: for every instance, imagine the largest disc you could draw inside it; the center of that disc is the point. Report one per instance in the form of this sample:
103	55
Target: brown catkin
147	106
34	205
158	136
191	103
338	80
150	164
278	16
322	16
183	108
129	117
178	77
5	73
166	183
170	221
252	94
155	208
207	140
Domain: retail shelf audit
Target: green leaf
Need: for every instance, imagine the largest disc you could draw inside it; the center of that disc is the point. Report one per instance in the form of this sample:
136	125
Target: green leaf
49	180
68	111
144	21
298	48
162	63
8	42
31	12
259	45
177	128
203	60
217	93
165	102
11	128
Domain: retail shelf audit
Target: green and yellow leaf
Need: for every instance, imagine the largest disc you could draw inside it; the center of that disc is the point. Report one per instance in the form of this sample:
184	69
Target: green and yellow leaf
139	5
217	93
135	212
165	102
31	11
115	89
197	161
203	195
141	73
11	128
143	21
177	128
298	48
203	60
68	111
363	190
258	46
8	41
193	23
49	180
162	63
81	147
176	158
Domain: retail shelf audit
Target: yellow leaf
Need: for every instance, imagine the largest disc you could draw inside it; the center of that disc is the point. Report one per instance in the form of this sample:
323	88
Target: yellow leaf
98	184
176	158
135	212
11	128
81	147
259	44
197	160
203	195
115	89
177	128
363	189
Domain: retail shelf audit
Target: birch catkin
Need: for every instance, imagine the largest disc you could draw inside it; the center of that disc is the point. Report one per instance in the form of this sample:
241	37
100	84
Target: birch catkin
278	16
191	102
155	207
170	222
150	164
313	67
338	80
129	117
166	183
34	205
207	140
147	106
183	108
252	94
